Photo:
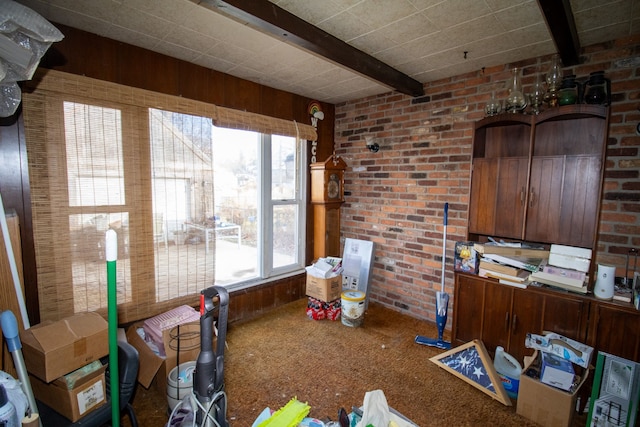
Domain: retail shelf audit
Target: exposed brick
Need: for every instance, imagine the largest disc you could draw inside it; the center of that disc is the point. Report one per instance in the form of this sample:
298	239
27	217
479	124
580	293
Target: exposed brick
425	160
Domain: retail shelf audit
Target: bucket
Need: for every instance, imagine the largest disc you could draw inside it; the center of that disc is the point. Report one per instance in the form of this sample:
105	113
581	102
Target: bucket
179	383
352	308
508	370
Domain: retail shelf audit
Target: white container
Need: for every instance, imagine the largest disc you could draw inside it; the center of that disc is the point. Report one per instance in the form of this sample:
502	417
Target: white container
180	383
353	303
605	281
8	414
509	371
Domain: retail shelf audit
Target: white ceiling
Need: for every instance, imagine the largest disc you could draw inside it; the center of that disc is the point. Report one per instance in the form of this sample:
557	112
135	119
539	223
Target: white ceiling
424	39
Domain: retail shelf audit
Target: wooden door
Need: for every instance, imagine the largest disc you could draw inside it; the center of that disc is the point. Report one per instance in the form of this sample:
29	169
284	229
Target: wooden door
498	191
496	320
525	318
580	196
566	315
545	195
511	198
468	309
615	330
484	193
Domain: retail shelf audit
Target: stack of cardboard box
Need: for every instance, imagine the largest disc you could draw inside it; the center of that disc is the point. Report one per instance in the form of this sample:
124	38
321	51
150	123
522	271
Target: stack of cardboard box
54	350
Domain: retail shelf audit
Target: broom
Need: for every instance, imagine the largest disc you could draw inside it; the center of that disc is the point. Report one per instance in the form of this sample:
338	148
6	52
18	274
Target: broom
442	299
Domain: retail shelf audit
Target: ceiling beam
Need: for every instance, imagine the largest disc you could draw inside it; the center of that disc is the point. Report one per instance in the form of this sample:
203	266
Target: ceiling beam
268	17
562	25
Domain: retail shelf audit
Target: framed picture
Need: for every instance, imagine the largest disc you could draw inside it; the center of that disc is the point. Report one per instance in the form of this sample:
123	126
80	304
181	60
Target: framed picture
471	363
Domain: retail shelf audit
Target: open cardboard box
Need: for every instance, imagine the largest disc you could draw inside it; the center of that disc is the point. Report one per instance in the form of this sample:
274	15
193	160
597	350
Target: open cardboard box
53	349
155	367
544	404
324	289
87	394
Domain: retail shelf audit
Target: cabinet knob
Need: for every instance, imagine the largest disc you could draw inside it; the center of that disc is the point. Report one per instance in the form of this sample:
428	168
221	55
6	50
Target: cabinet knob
514	323
522	196
506	321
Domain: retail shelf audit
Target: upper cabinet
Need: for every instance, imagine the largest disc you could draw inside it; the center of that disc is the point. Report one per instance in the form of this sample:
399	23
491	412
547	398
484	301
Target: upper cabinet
539	178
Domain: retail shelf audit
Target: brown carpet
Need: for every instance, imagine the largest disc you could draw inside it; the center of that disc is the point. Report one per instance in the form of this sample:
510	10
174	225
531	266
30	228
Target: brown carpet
283	354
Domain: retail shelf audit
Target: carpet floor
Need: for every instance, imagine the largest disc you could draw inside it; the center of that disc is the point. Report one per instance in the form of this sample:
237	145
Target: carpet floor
284	354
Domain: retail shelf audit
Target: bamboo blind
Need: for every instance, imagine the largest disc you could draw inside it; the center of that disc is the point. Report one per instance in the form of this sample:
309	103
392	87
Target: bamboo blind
64	285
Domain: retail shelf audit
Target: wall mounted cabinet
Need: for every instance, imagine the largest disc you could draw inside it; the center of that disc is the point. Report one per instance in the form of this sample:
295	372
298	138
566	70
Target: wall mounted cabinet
539	178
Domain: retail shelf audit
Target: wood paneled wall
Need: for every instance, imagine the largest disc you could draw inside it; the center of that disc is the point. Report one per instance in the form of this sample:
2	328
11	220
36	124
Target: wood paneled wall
105	59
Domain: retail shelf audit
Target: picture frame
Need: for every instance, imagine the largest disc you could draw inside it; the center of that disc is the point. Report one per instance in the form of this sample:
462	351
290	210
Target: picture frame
471	363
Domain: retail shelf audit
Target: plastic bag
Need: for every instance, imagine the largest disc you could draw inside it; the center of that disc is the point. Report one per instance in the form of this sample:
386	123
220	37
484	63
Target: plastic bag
375	410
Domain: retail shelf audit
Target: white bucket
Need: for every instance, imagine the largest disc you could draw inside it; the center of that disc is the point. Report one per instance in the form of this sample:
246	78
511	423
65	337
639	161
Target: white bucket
179	383
352	308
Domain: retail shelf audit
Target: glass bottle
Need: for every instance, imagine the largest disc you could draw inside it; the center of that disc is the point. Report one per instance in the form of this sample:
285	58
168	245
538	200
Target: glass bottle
516	101
536	95
493	106
554	78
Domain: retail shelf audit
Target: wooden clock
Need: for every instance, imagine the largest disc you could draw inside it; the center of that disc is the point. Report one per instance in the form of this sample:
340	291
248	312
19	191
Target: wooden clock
327	195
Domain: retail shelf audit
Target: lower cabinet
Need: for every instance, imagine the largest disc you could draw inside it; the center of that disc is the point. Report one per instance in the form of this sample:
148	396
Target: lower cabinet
502	315
615	329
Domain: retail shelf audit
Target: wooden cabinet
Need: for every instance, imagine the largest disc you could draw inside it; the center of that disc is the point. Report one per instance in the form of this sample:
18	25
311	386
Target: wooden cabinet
502	315
499	179
539	178
615	329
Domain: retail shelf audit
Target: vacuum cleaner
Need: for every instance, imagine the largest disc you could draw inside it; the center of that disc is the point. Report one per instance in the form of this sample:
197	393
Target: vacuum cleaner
208	377
442	299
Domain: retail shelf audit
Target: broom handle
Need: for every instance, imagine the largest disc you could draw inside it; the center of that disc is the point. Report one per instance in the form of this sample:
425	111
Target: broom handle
444	245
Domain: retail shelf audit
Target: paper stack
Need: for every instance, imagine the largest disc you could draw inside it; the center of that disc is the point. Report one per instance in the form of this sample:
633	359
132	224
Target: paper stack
566	268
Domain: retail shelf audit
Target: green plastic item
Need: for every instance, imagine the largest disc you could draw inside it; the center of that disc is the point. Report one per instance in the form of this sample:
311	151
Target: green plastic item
290	415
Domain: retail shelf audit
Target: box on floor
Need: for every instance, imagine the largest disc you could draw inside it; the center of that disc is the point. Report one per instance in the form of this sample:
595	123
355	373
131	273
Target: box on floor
53	349
88	393
180	345
544	404
324	289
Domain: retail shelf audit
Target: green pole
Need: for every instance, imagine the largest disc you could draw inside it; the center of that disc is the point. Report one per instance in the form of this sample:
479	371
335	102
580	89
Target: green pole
111	245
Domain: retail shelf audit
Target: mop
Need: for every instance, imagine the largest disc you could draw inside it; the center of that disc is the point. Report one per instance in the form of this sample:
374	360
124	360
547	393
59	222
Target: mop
442	299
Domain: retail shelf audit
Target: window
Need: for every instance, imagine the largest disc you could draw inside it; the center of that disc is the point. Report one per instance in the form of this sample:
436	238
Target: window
193	203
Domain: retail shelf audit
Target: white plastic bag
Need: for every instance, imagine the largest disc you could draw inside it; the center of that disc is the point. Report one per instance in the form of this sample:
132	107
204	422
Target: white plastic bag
375	410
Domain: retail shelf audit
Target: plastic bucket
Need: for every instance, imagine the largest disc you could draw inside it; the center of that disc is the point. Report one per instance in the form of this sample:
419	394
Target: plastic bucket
352	308
179	383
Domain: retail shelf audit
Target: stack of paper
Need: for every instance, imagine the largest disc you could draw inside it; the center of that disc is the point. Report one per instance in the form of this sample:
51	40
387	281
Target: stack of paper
566	268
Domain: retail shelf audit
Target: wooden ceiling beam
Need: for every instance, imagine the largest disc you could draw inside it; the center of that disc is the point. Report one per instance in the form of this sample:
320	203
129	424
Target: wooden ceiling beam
268	17
562	25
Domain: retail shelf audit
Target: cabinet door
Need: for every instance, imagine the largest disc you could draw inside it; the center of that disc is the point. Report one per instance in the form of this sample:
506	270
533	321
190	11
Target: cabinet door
468	308
566	315
498	189
525	318
563	200
484	193
497	316
615	330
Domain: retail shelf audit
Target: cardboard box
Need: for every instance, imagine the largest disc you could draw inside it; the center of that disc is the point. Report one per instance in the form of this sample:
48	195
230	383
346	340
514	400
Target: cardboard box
154	369
88	394
557	371
324	289
53	349
546	405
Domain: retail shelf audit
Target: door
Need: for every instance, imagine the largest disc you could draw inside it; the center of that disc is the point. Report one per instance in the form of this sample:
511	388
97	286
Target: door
498	190
497	316
468	309
525	318
615	330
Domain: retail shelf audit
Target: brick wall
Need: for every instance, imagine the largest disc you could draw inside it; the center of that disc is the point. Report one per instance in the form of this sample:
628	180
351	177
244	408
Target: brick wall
397	195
